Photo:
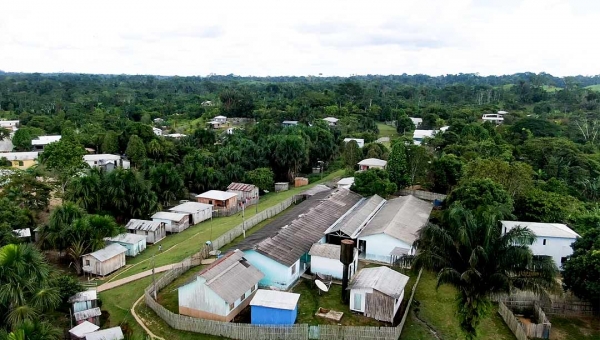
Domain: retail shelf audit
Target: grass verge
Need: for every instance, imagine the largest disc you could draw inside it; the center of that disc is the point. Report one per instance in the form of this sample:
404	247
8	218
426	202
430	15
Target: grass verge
576	328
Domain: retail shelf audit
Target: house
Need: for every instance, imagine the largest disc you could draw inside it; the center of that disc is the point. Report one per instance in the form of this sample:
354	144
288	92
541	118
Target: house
331	121
23	233
11	125
6	145
157	131
220	119
40	142
444	128
89	315
280	249
325	260
114	333
377	292
134	243
214	125
391	232
359	141
153	230
158	120
219	199
104	261
247	193
345	182
502	112
350	226
420	135
78	332
416	121
270	307
207	103
21	160
493	117
84	300
106	162
287	123
174	222
197	212
175	135
371	163
552	239
222	290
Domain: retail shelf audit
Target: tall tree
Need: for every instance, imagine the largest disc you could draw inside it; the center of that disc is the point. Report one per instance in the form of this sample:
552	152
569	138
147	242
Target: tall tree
261	177
129	195
136	151
396	166
65	159
481	193
373	181
352	154
581	272
166	182
110	143
290	153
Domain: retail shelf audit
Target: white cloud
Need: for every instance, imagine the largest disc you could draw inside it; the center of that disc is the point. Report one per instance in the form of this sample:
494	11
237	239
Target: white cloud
300	38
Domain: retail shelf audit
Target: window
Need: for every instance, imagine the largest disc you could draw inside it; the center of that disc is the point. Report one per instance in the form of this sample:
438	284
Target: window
252	289
358	302
20	163
87	262
294	269
544	242
243	297
231	306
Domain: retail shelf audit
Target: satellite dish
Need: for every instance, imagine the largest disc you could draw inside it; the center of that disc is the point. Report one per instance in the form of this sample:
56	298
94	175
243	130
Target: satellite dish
321	285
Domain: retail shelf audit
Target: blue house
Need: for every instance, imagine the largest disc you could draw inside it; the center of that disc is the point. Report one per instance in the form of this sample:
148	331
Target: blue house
84	300
270	307
134	243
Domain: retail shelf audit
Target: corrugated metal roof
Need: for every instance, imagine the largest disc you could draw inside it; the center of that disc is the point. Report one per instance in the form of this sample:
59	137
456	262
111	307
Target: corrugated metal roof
22	232
191	207
330	251
169	216
83	329
275	299
102	157
543	229
358	218
400	218
315	190
231	276
217	195
19	156
114	333
108	252
43	140
346	181
241	187
127	238
86	314
294	240
88	295
145	225
373	162
382	279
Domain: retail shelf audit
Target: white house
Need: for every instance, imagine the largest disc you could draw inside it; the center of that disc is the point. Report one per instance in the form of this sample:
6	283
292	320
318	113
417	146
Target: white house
552	239
78	332
493	117
416	121
325	260
220	119
222	290
197	212
207	103
286	123
107	162
157	131
11	125
331	121
175	135
419	135
393	230
40	142
371	163
153	230
174	222
359	141
345	182
502	112
377	292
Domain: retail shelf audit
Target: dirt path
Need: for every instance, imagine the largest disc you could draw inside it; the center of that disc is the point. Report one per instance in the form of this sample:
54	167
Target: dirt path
141	322
117	283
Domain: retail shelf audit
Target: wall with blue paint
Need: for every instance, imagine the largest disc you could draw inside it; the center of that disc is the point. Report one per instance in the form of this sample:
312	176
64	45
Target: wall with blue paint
197	296
272	316
276	274
132	249
379	247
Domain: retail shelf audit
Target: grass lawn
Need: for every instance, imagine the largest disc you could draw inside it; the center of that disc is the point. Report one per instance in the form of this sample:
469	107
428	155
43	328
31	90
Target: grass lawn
594	87
177	247
438	308
387	130
576	328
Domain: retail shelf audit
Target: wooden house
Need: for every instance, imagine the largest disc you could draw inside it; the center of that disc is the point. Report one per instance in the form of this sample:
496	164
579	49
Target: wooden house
84	300
79	332
222	290
197	212
270	307
89	315
114	333
377	292
134	243
325	260
218	199
104	261
246	192
153	230
174	222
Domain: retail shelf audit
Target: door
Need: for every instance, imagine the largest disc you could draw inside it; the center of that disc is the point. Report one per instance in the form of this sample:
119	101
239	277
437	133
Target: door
358	302
362	248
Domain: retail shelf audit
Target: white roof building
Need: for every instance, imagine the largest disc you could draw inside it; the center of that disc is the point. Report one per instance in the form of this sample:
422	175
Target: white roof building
331	120
82	329
345	182
22	233
171	216
419	135
157	131
371	163
359	141
19	156
108	252
114	333
416	121
275	299
175	135
44	140
217	195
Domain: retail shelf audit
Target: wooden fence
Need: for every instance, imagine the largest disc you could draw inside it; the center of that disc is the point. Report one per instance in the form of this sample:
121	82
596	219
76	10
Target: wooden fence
424	195
512	322
559	305
410	300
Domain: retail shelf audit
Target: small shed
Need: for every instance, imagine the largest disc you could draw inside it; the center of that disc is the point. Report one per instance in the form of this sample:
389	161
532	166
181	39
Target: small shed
245	192
88	315
282	186
300	181
325	260
218	199
114	333
270	307
23	233
84	300
79	332
377	292
174	222
104	261
153	230
197	212
134	243
220	119
345	182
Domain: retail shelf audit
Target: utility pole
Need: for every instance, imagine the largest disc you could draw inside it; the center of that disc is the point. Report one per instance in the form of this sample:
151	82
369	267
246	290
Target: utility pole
153	276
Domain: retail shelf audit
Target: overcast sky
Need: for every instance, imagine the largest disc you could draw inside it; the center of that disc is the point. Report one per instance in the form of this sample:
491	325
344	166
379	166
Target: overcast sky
284	37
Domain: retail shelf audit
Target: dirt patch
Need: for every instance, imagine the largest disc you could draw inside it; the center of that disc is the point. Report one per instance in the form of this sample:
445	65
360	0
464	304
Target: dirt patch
525	320
556	334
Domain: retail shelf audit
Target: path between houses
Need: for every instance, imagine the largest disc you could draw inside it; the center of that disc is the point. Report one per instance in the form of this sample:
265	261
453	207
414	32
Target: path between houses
117	283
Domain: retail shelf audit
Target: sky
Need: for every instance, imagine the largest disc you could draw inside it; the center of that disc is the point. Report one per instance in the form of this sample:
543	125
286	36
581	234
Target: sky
274	38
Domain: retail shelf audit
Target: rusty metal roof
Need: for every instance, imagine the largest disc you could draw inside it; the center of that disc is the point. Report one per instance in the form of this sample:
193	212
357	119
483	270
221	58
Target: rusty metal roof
241	187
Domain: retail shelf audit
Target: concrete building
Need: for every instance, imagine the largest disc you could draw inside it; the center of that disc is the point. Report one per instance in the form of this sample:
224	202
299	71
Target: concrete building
331	121
287	123
359	141
21	160
40	142
106	162
78	332
416	121
371	163
420	135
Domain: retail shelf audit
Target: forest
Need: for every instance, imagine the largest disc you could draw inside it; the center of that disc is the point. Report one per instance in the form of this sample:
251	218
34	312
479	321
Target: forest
541	165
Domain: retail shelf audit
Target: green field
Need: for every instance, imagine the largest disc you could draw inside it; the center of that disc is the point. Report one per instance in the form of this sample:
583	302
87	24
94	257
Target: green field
594	87
387	131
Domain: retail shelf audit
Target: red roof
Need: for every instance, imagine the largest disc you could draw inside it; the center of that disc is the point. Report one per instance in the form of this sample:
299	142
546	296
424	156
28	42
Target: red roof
241	187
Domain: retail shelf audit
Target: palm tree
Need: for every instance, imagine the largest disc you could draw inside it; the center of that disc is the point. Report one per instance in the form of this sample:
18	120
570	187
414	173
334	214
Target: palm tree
55	234
87	190
471	253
